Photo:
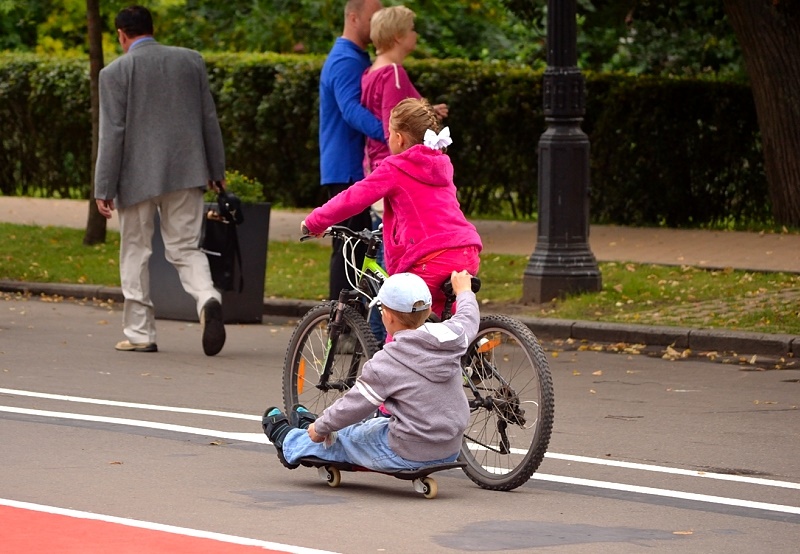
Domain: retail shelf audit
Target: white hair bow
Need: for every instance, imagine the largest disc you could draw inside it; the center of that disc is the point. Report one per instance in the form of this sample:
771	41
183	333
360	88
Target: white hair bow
437	142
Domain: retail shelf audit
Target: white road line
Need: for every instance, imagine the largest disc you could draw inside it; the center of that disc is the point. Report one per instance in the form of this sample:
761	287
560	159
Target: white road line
247	437
675	471
233	539
260	438
668	493
138	406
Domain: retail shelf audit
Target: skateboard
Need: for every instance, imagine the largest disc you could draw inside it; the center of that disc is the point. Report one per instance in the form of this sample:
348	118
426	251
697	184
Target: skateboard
331	473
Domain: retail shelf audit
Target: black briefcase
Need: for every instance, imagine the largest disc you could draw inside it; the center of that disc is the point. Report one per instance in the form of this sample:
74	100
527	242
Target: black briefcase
220	241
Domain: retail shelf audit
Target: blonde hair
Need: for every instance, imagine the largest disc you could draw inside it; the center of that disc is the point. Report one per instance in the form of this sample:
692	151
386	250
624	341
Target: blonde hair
411	320
412	117
389	23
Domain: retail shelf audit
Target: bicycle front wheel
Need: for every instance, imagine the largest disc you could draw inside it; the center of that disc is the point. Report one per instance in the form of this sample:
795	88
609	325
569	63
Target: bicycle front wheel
510	390
306	355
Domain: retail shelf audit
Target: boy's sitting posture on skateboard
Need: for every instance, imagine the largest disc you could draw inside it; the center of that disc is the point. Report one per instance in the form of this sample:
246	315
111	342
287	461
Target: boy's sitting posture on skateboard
418	378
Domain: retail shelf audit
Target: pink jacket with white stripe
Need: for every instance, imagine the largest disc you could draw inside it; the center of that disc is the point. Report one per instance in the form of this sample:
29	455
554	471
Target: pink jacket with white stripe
421	212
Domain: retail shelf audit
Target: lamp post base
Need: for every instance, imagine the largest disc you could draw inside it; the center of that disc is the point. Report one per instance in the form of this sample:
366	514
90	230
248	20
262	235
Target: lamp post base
555	274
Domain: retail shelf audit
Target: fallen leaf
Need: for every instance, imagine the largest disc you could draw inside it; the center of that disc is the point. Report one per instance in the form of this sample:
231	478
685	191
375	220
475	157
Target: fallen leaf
598	372
671	354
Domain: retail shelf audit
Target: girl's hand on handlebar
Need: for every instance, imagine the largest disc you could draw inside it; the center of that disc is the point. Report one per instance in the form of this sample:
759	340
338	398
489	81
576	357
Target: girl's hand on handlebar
313	435
305	232
462	281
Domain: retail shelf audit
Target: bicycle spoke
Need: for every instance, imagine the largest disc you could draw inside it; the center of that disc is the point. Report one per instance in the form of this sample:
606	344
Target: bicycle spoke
308	353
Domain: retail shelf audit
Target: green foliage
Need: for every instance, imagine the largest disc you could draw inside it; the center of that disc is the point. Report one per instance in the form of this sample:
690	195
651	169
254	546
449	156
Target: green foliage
460	28
678	152
247	189
674	152
683	37
268	106
45	119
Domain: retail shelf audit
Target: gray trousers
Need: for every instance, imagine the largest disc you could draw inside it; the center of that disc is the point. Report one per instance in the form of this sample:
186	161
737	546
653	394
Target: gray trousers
181	214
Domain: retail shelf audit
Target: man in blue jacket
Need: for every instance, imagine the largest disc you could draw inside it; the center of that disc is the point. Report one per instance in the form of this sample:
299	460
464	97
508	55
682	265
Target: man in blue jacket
343	122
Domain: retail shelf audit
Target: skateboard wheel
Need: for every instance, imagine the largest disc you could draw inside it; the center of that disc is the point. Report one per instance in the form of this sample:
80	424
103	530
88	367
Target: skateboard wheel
333	477
427	487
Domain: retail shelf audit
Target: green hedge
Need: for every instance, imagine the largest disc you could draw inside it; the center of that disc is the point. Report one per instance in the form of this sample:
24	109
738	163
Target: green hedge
663	151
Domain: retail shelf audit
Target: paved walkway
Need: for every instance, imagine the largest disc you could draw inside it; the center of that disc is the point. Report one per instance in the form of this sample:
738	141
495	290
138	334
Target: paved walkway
711	249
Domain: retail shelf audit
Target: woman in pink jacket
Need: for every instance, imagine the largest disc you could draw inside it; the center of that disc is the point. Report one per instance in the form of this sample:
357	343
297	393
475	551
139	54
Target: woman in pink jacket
424	230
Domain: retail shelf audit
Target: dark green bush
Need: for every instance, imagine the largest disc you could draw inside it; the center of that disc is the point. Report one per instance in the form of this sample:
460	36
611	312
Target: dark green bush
45	127
675	152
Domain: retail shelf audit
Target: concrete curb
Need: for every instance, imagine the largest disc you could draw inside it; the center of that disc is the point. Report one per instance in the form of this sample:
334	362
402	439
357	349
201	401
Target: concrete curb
680	338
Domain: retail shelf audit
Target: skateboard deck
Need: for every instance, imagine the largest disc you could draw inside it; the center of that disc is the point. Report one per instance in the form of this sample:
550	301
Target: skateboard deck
420	478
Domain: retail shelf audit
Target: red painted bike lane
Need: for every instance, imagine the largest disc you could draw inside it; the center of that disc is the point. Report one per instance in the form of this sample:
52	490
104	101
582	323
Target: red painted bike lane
35	529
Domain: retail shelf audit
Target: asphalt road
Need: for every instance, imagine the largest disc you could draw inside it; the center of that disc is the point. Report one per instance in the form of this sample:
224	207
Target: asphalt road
687	455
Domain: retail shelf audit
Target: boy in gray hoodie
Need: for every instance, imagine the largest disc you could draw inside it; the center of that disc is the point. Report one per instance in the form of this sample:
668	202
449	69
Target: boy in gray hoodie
417	377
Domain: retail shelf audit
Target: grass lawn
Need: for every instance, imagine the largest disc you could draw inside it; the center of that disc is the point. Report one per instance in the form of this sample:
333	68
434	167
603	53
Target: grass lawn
632	293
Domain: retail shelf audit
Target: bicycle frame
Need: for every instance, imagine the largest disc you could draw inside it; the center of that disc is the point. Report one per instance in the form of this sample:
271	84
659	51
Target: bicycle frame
371	277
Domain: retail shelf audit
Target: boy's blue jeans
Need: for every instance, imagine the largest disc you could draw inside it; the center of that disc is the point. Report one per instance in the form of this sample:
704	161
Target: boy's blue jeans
365	444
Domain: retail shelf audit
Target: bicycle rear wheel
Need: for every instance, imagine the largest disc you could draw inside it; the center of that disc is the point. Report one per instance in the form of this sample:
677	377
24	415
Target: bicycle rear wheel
512	404
305	358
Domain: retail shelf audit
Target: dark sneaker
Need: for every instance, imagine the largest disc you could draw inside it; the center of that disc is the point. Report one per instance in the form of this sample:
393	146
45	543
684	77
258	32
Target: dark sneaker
213	327
300	417
276	427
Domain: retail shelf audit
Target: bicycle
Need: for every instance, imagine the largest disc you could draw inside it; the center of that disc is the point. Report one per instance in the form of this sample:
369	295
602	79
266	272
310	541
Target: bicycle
506	375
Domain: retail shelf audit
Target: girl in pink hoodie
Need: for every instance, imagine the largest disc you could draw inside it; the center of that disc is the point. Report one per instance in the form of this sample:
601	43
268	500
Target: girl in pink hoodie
424	230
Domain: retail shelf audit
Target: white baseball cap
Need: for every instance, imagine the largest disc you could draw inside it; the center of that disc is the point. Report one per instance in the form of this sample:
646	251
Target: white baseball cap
404	292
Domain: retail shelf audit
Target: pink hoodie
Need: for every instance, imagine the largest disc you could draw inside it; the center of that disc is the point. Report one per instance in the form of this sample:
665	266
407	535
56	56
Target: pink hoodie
421	212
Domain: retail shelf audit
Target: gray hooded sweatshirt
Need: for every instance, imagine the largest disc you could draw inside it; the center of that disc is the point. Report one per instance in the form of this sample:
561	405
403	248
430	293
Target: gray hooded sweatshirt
418	378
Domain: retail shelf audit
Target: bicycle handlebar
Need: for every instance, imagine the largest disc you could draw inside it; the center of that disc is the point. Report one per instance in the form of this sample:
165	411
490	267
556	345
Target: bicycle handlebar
340	232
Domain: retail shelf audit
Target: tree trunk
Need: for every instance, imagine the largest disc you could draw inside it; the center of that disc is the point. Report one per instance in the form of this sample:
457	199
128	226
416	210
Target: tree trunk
768	32
96	223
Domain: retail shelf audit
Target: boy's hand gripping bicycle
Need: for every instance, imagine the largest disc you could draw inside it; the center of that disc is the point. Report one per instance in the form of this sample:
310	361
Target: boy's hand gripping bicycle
506	376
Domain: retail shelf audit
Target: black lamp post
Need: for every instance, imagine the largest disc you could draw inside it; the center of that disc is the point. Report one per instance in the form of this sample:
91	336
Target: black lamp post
562	261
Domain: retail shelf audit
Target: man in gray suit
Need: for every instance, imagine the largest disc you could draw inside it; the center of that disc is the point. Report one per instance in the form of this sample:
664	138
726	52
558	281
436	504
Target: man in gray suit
160	147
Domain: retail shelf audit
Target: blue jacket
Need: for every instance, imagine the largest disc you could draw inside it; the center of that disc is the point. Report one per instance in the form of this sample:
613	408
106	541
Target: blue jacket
343	121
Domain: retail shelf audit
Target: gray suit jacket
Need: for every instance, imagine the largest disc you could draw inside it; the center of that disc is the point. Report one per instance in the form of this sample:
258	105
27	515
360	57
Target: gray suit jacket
158	125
